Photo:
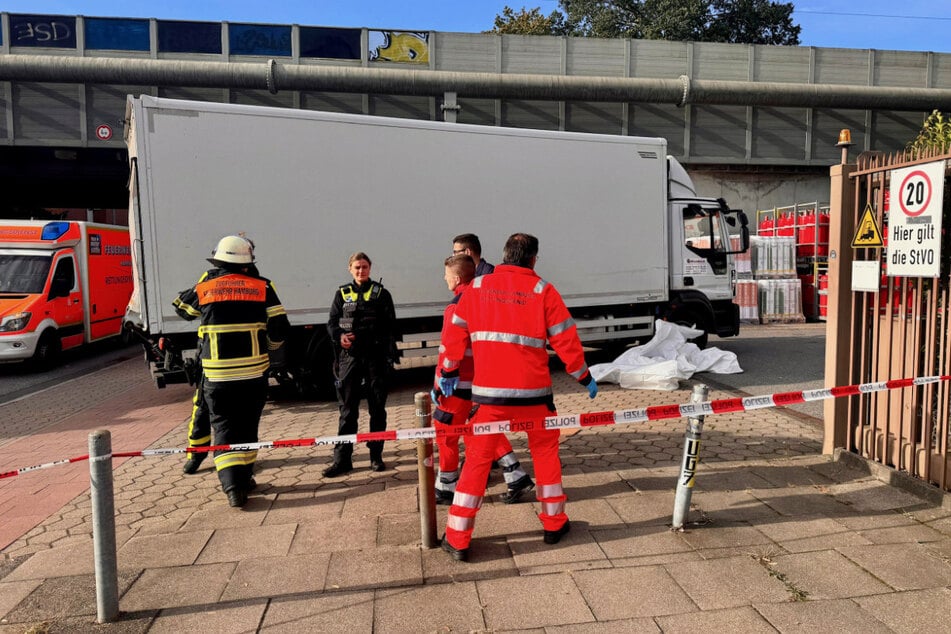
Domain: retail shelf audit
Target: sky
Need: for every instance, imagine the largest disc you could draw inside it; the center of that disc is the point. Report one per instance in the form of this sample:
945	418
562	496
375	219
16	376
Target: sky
907	25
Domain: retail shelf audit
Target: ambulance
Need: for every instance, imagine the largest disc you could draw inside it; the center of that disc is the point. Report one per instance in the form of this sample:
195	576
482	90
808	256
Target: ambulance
62	285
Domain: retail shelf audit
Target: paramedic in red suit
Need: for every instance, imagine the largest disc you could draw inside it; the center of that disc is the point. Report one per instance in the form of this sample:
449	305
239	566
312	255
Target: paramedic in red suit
509	318
454	410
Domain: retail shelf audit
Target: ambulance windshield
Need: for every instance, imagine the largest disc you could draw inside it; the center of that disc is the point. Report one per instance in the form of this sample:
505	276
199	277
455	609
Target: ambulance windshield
23	273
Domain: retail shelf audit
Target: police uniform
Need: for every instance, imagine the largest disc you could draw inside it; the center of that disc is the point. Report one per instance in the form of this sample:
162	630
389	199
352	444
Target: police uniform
241	320
367	311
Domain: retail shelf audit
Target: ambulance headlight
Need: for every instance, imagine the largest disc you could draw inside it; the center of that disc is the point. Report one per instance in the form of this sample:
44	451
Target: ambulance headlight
14	322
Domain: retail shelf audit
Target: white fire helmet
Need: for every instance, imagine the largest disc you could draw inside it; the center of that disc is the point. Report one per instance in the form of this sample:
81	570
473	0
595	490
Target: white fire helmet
233	250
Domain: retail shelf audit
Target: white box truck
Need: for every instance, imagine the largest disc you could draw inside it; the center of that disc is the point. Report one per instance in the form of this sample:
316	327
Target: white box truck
623	235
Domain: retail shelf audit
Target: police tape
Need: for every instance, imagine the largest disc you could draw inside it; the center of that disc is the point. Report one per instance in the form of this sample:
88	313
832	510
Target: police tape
560	421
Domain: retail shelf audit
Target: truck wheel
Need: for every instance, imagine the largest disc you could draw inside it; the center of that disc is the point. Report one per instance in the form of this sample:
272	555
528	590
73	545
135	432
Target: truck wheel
47	351
316	379
690	320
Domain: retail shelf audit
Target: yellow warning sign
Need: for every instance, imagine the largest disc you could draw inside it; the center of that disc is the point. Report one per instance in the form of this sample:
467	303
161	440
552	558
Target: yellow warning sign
867	233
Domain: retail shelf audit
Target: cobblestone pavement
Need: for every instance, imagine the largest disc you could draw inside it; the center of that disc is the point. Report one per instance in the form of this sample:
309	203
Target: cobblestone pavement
780	537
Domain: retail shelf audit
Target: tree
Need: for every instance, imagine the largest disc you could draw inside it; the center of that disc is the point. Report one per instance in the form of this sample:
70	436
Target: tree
528	22
737	21
935	134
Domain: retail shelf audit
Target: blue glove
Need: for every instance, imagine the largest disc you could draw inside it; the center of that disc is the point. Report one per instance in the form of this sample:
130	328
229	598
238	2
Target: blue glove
434	394
447	385
592	388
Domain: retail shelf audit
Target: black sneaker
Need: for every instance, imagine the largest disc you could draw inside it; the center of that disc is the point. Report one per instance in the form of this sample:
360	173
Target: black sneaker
553	537
237	497
444	497
459	554
194	461
377	465
337	469
517	489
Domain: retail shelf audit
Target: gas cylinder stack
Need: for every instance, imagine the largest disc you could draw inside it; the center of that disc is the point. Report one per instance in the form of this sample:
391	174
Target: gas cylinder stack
812	257
774	252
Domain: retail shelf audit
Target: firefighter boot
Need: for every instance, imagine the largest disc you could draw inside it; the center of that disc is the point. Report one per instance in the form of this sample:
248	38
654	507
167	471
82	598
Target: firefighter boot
194	461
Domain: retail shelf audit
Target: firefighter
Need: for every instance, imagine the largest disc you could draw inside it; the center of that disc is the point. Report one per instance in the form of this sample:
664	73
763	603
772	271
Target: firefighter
454	410
362	326
241	320
508	318
199	423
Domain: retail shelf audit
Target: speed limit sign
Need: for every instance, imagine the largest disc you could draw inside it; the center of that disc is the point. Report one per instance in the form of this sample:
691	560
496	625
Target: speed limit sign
915	188
914	223
103	132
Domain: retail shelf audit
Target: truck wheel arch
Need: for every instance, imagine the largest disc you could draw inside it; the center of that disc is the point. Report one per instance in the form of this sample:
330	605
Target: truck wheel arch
694	310
48	349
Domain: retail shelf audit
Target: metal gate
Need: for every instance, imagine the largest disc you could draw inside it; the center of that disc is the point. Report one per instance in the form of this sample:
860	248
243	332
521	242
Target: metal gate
901	330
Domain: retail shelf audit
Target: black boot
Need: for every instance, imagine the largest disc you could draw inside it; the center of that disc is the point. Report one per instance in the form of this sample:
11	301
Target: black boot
194	461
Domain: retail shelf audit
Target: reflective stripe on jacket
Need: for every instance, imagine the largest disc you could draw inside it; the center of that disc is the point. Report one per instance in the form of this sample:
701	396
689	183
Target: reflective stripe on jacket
508	318
241	319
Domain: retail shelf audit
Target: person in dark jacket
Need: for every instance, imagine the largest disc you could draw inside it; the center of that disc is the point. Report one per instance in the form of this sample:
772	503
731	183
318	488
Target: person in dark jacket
362	326
241	320
469	244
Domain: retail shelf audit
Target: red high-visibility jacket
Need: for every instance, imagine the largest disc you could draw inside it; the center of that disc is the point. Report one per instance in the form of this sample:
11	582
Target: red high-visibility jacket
508	318
464	388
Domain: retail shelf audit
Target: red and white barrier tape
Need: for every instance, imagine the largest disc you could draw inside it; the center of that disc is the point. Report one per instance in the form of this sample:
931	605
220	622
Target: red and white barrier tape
561	421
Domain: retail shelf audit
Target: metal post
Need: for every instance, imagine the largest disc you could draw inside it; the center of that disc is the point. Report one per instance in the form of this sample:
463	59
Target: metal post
427	474
103	525
688	469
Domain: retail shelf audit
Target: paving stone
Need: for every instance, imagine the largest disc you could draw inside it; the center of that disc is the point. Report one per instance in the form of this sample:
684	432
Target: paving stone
744	619
160	588
727	583
12	592
826	575
336	612
632	592
235	618
902	566
277	576
374	568
154	551
911	612
236	544
63	597
444	607
68	561
337	534
821	616
506	606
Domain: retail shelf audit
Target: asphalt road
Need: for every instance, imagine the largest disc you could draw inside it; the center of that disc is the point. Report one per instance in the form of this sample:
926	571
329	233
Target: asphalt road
18	380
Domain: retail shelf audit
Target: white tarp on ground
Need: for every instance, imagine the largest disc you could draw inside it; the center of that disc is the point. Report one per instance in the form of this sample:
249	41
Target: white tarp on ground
664	360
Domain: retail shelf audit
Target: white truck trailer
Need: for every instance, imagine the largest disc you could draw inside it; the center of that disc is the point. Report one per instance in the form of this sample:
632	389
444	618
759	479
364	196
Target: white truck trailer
623	235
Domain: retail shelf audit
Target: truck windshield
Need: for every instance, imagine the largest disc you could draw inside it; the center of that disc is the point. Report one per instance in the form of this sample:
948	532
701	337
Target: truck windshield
23	273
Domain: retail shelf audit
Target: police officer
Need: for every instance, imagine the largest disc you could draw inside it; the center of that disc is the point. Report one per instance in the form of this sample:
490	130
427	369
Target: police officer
362	326
509	318
241	320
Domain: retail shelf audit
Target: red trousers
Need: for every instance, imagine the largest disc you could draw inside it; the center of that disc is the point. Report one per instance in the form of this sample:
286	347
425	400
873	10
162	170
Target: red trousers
482	449
448	444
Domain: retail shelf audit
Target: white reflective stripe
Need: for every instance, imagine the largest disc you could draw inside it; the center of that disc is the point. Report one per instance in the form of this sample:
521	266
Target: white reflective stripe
459	321
459	523
446	363
577	374
550	491
467	500
508	337
553	508
442	348
508	459
466	385
504	392
540	286
477	282
557	329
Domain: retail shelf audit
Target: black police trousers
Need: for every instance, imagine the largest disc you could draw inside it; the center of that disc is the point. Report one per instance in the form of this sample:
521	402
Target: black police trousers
356	376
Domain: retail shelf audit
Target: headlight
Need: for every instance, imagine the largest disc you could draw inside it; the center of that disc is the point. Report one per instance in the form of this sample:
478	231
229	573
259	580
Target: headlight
14	322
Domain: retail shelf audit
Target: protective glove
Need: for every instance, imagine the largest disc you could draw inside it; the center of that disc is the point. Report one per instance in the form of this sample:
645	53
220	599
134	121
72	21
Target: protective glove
592	388
447	385
434	394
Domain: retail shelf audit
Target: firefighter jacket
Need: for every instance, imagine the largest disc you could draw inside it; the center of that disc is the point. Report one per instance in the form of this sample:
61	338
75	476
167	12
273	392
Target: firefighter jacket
367	311
241	320
466	367
509	318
